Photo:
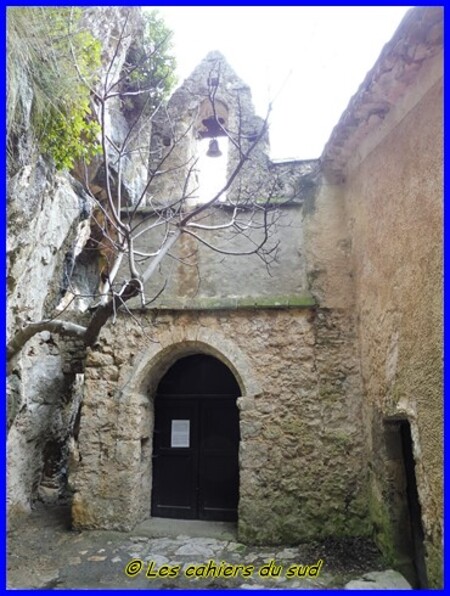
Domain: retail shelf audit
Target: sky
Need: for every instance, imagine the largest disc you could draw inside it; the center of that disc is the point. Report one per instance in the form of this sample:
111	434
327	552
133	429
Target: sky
307	61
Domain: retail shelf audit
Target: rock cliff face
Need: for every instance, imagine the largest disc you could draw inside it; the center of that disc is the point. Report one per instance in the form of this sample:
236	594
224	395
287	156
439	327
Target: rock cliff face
48	223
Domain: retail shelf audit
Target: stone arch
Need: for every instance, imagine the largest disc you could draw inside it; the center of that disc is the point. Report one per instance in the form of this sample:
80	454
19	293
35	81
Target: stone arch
164	359
138	392
212	119
158	358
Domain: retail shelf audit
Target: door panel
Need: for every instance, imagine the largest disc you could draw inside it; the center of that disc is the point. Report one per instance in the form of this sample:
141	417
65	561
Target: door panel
200	481
217	488
218	459
174	489
175	469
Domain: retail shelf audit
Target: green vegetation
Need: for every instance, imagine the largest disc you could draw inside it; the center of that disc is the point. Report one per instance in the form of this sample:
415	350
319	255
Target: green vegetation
48	49
55	63
151	67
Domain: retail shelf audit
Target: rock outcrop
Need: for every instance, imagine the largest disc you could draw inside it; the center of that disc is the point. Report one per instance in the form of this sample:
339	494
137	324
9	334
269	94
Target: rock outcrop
48	226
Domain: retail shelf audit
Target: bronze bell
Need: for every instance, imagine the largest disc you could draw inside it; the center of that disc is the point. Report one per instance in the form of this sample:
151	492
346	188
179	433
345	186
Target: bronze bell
213	149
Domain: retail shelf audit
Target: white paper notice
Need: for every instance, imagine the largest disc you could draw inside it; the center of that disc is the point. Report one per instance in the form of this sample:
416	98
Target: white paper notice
180	433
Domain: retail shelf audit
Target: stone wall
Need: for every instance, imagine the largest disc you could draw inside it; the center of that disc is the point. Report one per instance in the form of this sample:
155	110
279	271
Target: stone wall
197	275
302	463
399	280
392	164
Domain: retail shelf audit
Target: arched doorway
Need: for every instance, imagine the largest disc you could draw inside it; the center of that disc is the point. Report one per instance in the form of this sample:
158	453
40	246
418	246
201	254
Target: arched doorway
196	441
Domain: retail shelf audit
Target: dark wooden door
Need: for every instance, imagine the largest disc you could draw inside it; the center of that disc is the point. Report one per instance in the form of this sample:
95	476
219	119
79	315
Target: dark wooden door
175	468
196	443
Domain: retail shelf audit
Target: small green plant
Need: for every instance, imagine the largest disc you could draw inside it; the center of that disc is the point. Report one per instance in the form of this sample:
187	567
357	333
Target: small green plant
69	135
61	61
150	65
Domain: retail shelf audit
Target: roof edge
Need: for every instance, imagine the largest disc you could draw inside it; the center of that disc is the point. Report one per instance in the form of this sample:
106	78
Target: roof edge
417	40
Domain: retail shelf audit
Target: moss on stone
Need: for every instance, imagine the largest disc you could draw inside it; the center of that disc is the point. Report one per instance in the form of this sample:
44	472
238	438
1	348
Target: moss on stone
434	566
382	528
340	438
224	303
291	520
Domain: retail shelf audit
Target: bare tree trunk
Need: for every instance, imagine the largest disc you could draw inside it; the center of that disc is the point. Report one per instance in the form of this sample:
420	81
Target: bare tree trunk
105	311
65	328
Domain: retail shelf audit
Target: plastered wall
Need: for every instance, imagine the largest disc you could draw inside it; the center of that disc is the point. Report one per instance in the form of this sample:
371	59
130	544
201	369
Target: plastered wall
394	207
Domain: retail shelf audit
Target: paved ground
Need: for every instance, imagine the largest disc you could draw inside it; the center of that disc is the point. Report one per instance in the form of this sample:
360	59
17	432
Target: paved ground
44	553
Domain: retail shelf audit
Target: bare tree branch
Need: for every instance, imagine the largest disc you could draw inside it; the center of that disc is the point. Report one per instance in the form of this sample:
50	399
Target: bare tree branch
131	238
65	328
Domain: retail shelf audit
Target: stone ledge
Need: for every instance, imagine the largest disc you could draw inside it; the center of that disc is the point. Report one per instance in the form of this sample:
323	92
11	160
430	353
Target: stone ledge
275	302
